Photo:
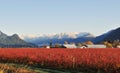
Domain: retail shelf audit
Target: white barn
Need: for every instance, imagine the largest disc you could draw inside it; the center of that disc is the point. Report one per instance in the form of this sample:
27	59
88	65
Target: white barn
96	46
69	45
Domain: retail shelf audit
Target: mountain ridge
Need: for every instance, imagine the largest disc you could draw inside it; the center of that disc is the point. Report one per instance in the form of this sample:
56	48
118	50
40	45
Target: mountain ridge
60	35
111	35
13	41
59	38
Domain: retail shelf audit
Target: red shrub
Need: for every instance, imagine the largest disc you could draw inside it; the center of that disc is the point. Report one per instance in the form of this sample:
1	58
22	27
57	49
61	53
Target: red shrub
106	59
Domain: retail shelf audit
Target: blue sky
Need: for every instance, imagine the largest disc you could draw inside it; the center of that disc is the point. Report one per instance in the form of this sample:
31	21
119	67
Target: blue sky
55	16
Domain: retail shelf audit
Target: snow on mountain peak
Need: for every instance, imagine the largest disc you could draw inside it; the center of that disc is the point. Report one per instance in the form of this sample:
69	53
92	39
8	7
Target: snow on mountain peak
58	36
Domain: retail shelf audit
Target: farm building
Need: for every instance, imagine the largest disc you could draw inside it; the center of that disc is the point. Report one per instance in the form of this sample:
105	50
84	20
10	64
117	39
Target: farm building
96	46
69	46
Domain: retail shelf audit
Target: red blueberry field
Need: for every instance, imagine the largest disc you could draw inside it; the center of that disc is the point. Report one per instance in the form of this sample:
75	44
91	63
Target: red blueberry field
75	60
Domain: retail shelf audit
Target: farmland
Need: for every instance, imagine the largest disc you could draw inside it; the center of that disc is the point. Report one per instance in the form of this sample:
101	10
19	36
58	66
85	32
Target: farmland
74	60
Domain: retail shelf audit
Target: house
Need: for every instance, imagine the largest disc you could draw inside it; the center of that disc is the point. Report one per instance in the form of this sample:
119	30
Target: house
96	46
69	46
45	46
118	46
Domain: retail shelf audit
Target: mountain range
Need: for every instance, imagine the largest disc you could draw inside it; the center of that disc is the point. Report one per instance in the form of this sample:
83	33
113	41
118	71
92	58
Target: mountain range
75	37
46	39
58	38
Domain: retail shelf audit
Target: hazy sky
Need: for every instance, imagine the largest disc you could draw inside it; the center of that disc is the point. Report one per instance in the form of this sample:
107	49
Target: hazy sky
55	16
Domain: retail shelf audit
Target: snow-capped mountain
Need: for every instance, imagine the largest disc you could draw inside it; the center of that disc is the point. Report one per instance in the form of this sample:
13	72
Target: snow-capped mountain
57	38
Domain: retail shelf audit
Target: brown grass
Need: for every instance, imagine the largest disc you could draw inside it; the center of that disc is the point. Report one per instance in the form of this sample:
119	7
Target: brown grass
4	68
